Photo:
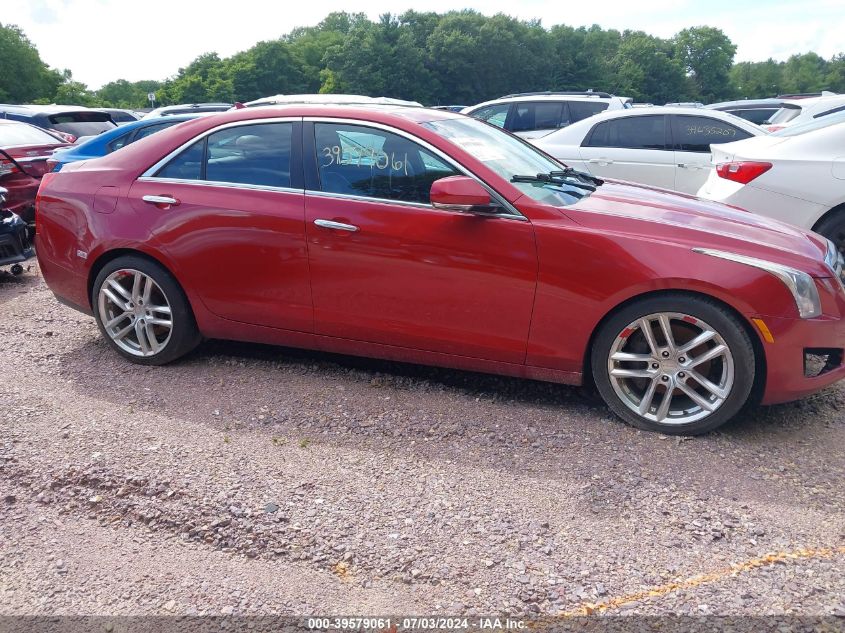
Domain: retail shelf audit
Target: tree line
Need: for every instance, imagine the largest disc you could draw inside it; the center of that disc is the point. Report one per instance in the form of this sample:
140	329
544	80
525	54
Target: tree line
460	57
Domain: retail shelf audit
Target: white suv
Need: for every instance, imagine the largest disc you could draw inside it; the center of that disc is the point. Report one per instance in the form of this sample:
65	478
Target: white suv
535	114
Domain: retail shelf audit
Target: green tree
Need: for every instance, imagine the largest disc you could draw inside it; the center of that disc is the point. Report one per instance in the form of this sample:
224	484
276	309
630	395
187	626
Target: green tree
804	73
23	75
707	53
647	71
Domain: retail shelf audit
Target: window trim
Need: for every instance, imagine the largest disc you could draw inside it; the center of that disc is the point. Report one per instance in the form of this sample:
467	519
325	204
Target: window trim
312	170
148	175
668	145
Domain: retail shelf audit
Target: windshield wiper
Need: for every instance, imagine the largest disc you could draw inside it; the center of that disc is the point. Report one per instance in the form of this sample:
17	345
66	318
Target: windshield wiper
567	176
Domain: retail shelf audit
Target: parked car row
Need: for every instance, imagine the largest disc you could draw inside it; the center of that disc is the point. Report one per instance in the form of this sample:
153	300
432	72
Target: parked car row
395	231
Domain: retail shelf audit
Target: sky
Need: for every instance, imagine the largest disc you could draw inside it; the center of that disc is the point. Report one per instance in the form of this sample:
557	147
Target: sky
105	40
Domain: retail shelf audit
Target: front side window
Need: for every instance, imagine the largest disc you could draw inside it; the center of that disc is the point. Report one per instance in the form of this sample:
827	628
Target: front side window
633	132
374	163
696	133
247	154
494	114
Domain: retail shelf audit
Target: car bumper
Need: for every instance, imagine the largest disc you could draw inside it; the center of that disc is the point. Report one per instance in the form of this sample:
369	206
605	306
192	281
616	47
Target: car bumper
771	204
15	245
794	339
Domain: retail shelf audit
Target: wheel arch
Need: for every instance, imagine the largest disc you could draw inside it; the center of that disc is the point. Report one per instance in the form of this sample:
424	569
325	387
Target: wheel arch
110	255
760	368
833	211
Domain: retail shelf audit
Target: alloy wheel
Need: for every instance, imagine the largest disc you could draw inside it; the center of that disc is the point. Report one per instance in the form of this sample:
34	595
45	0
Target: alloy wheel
671	368
135	312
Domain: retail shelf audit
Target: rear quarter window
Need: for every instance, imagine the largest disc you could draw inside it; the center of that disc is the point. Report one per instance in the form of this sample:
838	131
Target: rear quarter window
696	133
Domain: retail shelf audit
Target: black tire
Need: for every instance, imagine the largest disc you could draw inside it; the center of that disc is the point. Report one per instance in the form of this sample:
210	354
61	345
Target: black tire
721	320
184	335
833	228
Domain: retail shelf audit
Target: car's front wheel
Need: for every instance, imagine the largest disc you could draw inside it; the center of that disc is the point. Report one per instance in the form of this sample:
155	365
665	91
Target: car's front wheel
142	312
676	364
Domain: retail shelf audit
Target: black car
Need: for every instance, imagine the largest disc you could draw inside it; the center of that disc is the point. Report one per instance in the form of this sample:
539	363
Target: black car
15	238
65	122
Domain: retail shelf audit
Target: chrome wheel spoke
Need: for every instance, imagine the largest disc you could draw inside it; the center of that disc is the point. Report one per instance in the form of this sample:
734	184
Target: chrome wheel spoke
648	397
702	338
623	357
716	390
116	320
666	328
663	409
121	334
160	309
147	291
136	287
120	303
710	354
648	333
632	373
163	322
696	397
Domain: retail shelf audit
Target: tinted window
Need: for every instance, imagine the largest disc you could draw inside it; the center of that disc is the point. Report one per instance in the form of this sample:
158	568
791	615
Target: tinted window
81	123
374	163
119	142
121	117
696	133
548	115
579	110
785	114
495	114
13	134
755	115
247	154
152	129
633	132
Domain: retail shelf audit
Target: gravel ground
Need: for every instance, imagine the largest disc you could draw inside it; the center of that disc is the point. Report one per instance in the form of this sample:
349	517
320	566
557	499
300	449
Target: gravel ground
256	480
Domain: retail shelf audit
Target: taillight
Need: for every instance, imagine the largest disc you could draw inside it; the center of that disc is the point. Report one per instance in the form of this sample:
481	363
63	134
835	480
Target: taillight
68	138
774	128
742	171
7	167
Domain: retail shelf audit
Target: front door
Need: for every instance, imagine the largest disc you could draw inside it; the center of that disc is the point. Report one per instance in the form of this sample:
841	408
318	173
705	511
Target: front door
388	268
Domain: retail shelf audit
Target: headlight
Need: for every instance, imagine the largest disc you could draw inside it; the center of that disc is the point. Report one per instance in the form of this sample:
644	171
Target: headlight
800	284
834	260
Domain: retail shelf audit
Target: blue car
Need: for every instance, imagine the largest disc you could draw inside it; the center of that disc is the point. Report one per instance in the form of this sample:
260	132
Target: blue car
114	139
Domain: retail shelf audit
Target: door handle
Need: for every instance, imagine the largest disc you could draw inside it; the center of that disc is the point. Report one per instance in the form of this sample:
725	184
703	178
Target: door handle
339	226
601	161
163	201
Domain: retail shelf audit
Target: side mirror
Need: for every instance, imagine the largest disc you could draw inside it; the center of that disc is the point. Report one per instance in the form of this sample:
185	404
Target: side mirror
459	193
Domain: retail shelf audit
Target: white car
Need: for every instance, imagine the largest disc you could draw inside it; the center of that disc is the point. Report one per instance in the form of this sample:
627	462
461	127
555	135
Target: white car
667	147
535	114
796	175
797	111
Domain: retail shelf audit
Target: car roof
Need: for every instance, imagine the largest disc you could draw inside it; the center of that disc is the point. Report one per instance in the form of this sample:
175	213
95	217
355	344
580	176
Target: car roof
43	109
548	96
747	103
330	99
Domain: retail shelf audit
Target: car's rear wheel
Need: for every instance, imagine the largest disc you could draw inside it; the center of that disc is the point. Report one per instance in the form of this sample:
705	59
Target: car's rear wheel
142	312
677	364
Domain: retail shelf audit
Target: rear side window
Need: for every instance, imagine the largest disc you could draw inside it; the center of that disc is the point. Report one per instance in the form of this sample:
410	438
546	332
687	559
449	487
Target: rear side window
15	134
373	163
248	154
547	115
633	132
494	114
696	133
579	110
785	114
128	138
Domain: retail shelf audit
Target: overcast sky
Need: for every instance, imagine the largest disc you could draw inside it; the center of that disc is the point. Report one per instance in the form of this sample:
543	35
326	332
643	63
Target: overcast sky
104	40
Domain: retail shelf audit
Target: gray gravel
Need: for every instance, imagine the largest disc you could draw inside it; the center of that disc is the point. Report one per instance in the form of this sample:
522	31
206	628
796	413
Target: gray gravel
252	480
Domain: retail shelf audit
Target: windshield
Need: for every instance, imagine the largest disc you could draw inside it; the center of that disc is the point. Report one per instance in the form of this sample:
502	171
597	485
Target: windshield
508	156
812	124
12	135
785	114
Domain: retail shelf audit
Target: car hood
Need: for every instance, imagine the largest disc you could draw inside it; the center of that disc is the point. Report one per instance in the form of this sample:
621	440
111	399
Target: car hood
672	217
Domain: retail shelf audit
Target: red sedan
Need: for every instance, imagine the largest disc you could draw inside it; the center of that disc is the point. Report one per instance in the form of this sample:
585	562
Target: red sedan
425	236
24	150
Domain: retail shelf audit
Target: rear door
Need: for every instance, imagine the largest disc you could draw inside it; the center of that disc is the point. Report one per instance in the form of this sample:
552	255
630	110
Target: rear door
229	211
634	148
692	136
531	119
